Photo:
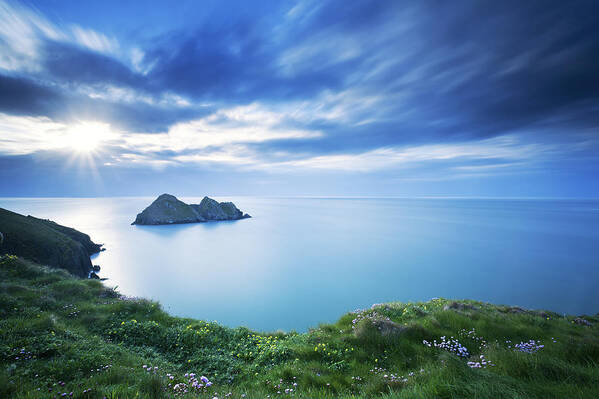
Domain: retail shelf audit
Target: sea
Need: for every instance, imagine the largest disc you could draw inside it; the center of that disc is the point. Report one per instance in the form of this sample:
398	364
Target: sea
299	262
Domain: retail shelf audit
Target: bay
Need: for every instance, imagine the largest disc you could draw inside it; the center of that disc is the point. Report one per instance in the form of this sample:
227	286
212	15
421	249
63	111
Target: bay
302	261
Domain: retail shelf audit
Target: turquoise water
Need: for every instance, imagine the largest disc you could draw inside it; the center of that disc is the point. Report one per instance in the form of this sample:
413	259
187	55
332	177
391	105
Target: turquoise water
301	261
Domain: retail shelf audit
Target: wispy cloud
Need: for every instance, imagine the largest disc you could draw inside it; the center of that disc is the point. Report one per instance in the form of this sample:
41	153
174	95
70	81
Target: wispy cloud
24	29
246	124
20	30
94	40
506	149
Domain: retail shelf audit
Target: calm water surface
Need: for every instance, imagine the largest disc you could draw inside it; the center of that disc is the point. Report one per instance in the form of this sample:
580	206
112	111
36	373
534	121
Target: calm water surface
299	262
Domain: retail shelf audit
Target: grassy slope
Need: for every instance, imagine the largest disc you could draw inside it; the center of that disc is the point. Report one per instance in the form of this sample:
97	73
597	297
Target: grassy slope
90	246
46	242
77	331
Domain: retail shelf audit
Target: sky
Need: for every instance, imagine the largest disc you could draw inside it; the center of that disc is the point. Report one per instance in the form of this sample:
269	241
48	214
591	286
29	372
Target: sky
299	98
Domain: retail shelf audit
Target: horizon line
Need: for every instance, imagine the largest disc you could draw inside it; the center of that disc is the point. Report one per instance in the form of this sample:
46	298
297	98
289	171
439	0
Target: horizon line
314	197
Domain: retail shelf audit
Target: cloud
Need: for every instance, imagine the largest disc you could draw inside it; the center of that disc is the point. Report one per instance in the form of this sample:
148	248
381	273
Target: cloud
122	107
20	29
360	88
238	125
25	97
137	61
26	135
225	137
389	63
23	30
505	150
94	40
77	65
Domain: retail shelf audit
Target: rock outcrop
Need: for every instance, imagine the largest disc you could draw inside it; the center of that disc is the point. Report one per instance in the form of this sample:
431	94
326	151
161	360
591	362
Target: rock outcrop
167	209
47	242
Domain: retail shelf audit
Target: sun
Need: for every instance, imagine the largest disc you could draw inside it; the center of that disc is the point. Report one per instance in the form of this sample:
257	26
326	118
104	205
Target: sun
86	143
87	137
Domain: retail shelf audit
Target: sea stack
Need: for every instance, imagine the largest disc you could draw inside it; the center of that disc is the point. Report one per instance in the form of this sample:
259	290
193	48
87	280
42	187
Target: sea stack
167	209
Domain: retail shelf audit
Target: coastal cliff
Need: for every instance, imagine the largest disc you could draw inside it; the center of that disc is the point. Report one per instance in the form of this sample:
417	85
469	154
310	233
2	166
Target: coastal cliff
46	242
167	209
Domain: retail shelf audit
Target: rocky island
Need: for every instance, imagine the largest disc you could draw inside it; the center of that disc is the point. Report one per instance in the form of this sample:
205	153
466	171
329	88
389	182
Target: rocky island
167	209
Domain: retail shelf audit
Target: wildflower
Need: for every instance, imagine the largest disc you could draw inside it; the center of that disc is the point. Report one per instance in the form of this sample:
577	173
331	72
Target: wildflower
531	346
450	345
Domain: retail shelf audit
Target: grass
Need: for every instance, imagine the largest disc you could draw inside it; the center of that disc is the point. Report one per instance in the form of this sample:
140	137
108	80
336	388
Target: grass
46	242
60	334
